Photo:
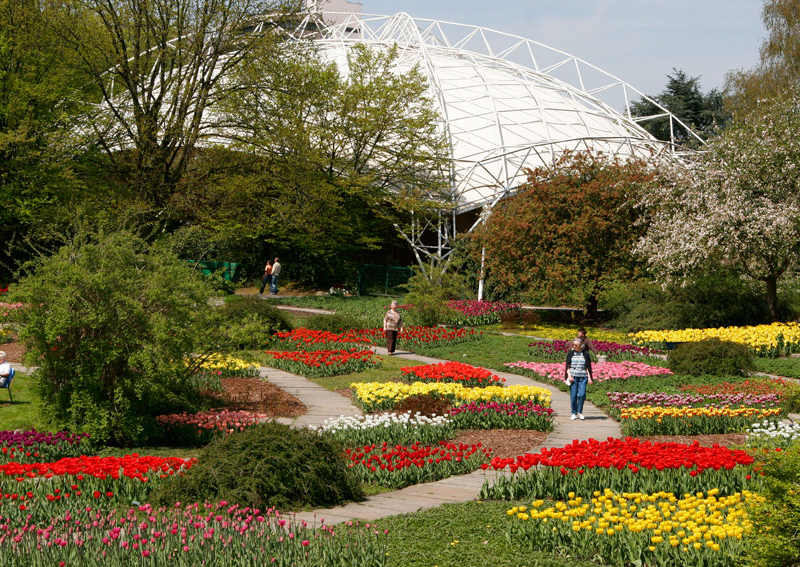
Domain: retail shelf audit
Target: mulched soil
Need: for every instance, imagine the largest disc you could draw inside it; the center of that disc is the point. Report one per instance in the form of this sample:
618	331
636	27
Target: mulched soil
256	395
504	443
725	439
14	351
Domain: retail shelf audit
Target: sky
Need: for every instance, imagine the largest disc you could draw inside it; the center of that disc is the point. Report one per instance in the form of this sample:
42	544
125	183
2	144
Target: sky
639	41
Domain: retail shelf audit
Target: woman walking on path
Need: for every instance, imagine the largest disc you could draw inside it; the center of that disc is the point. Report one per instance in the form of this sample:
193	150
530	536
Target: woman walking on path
392	324
577	373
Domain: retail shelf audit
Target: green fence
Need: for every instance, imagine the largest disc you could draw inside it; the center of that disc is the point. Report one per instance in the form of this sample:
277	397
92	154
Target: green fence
382	280
228	270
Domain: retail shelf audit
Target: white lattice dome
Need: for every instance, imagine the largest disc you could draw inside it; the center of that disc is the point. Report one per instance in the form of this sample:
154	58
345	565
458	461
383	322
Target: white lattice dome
506	103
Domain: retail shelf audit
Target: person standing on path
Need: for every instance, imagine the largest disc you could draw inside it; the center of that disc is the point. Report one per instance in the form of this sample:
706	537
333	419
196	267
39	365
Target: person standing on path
577	373
587	342
392	325
267	279
276	271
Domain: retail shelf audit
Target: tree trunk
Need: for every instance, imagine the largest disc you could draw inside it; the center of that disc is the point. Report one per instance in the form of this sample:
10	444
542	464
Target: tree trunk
591	305
772	296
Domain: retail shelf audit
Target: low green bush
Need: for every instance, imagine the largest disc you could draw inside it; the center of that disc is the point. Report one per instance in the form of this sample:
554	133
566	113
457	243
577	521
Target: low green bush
774	541
333	323
711	356
710	301
267	465
246	322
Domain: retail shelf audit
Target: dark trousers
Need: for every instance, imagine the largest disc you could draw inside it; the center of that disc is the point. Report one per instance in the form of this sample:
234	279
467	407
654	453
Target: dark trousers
391	340
265	281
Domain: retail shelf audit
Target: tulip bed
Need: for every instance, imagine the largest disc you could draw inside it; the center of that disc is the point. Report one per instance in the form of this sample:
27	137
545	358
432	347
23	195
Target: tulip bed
777	339
558	350
398	466
621	400
496	415
223	366
601	371
649	420
392	428
36	446
311	339
445	372
771	433
639	528
376	396
200	428
621	465
479	312
39	490
756	387
322	363
185	536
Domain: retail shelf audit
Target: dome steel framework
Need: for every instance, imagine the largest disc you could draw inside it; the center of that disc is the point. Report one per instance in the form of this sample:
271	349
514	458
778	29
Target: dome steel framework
505	103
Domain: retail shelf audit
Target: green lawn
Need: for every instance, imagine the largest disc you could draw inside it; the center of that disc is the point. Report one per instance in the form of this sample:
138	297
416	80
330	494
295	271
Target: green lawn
789	367
23	413
491	351
459	535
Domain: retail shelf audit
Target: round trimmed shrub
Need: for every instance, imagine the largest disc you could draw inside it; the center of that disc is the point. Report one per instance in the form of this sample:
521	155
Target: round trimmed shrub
268	465
711	357
246	322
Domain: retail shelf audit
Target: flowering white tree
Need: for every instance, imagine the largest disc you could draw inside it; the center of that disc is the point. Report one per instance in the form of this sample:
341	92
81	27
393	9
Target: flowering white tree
739	205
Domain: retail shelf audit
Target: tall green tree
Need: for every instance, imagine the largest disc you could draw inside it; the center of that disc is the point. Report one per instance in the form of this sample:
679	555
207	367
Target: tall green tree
36	78
778	70
156	69
703	113
569	228
325	161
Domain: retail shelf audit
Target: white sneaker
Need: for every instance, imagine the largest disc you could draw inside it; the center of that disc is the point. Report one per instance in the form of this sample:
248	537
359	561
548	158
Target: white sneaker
573	416
580	415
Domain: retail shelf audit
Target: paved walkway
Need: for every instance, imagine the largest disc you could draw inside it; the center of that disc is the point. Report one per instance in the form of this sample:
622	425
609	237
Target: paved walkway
466	487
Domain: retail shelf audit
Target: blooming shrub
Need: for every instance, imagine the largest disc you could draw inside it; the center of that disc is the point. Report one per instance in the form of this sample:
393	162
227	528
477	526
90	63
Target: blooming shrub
374	396
558	349
199	428
622	465
392	428
644	528
397	466
650	420
36	446
464	374
320	363
601	371
187	535
495	415
772	340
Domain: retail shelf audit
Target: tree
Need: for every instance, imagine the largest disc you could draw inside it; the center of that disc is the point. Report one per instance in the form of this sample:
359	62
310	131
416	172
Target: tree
36	76
570	227
705	114
157	69
739	205
109	321
778	71
332	161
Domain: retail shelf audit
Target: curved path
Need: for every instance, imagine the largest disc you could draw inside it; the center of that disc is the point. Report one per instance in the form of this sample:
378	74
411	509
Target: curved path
324	404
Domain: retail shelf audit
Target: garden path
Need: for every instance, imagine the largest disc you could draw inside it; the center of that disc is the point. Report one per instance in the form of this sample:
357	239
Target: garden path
466	487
